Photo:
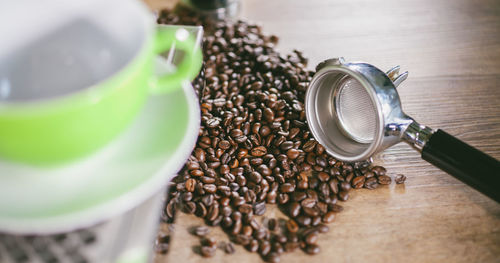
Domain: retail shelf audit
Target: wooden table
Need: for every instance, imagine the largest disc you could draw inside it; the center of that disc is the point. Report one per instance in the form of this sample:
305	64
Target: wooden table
452	50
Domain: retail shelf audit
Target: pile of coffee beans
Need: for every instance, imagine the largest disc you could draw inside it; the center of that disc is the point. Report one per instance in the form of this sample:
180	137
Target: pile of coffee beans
255	147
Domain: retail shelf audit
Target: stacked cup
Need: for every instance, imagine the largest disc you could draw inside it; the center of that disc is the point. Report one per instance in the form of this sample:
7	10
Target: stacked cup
90	134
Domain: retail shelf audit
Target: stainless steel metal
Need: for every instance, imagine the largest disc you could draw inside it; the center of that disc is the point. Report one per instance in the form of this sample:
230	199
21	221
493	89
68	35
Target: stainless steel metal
417	135
394	75
389	122
354	110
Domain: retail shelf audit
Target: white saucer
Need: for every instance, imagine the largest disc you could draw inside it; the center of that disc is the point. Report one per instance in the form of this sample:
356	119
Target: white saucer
126	172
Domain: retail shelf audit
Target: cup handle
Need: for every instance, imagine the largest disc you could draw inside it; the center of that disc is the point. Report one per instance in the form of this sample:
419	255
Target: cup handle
188	68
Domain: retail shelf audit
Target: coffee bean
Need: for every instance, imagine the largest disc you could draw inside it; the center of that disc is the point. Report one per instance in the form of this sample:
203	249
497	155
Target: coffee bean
312	249
345	186
303	220
229	248
210	188
322	228
358	182
190	184
293	154
328	217
310	211
201	231
264	248
287	145
379	170
400	179
384	179
242	239
292	226
311	238
294	209
287	188
259	151
247	230
371	183
272	257
209	241
254	145
335	208
207	251
224	144
253	246
343	195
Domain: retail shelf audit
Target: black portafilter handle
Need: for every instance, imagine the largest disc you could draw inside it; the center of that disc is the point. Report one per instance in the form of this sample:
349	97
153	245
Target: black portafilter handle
464	162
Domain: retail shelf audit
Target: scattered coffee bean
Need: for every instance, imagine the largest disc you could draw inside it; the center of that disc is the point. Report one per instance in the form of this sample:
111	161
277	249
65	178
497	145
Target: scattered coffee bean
312	249
229	248
201	231
400	179
254	146
207	251
384	179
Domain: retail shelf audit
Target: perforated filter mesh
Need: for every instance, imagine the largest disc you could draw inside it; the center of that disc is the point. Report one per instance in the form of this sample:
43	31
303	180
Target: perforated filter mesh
356	111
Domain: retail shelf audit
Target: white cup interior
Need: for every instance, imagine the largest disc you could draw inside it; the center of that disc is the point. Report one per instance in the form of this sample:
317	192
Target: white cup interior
56	57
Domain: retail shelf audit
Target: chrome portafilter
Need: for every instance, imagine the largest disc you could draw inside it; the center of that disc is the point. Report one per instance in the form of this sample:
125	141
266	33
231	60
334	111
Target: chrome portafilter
354	111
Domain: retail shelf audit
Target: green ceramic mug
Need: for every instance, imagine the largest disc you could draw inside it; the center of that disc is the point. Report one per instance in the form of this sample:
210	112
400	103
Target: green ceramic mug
51	114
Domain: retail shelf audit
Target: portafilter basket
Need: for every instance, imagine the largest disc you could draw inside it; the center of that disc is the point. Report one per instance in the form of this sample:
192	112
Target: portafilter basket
354	111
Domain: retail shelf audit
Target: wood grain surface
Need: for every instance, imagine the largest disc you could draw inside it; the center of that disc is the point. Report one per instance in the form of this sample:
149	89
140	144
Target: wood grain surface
452	50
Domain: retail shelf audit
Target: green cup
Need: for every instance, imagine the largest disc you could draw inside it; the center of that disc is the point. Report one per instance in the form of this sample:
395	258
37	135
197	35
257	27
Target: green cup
56	114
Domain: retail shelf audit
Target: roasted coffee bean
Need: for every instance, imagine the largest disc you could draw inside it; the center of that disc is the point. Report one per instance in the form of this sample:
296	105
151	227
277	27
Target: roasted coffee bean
259	151
242	239
311	211
400	179
190	184
358	182
209	241
287	188
345	186
224	144
379	170
210	188
254	145
253	246
259	208
343	195
303	220
201	231
292	226
322	228
384	179
278	247
283	198
328	217
247	230
316	220
335	208
229	248
264	248
371	183
294	209
226	222
245	208
236	228
311	238
292	154
207	251
312	249
189	207
272	257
